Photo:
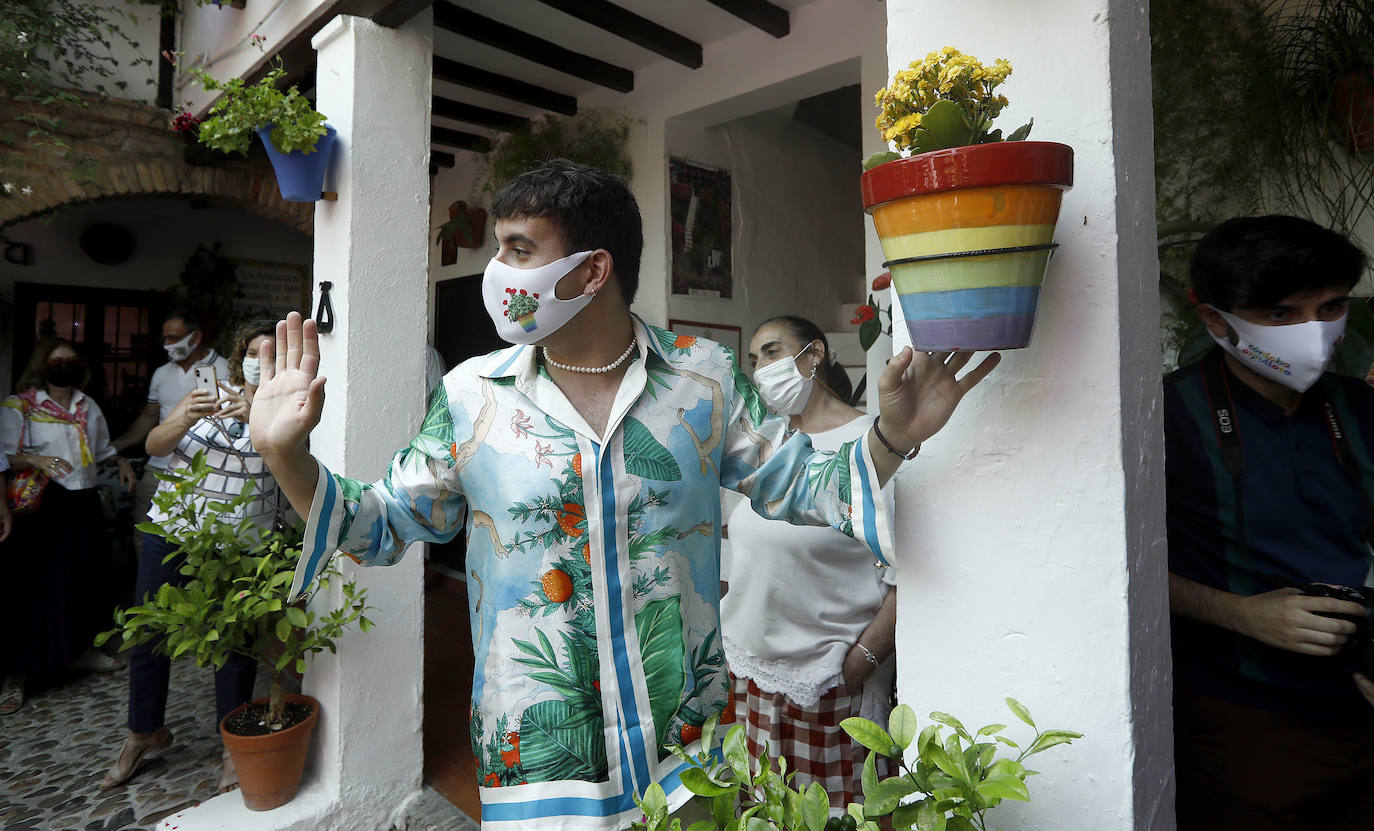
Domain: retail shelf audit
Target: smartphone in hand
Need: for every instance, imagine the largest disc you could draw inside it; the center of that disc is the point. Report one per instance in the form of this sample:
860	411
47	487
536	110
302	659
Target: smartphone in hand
207	380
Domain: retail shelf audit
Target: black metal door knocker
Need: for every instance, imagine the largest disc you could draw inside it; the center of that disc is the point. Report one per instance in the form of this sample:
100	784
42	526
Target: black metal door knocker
324	315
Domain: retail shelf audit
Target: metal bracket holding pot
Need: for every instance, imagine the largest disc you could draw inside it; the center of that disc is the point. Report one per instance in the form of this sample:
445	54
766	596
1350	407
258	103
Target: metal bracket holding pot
324	313
984	252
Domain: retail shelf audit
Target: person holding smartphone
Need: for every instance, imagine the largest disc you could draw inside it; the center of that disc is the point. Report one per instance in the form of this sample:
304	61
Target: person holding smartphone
213	419
187	347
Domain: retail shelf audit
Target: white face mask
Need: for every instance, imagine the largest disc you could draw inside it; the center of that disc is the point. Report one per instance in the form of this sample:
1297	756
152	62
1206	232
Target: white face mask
182	349
252	370
784	389
1294	355
521	301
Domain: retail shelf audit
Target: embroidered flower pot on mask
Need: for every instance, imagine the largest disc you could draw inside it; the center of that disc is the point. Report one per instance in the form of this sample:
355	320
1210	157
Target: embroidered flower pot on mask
967	233
300	175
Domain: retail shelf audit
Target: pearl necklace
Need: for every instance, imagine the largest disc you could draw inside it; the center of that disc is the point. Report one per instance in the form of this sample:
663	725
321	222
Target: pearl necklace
591	370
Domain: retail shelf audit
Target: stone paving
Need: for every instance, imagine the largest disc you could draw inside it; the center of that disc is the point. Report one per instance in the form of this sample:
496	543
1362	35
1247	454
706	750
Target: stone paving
56	748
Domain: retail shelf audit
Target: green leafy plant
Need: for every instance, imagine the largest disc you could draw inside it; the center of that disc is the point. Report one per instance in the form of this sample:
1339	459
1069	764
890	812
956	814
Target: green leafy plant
235	600
592	137
954	782
49	50
244	108
946	99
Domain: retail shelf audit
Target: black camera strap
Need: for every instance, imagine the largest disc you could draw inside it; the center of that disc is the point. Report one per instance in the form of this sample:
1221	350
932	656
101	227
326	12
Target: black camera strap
1217	389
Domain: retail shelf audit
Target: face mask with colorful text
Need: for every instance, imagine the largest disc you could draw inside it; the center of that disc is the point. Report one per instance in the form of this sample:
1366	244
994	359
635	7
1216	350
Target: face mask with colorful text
1295	355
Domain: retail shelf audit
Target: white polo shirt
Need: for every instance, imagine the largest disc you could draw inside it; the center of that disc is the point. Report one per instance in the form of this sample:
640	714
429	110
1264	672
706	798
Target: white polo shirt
170	384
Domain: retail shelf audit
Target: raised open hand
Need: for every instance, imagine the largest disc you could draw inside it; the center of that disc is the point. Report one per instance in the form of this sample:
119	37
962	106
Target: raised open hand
289	401
918	392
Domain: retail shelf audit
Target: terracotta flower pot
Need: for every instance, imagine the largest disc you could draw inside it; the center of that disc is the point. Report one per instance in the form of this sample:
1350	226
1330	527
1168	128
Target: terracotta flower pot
967	233
270	766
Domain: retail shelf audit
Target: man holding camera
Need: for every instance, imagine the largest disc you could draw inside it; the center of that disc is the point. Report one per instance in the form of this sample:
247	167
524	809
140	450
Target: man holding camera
1269	477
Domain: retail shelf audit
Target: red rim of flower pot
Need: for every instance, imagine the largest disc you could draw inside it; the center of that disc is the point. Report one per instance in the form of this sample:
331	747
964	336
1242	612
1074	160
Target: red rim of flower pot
973	166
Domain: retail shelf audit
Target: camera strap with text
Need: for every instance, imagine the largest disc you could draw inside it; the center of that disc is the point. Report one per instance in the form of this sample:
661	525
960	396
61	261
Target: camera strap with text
1217	388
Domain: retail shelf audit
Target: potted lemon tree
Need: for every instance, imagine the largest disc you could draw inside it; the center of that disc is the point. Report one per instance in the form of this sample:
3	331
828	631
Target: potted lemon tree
235	601
965	215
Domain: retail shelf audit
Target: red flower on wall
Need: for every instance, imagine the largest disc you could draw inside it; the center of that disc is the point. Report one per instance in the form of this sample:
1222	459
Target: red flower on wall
863	313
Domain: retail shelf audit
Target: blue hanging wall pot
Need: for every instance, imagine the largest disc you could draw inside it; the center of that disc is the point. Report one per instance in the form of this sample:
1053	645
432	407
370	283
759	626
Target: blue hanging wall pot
300	175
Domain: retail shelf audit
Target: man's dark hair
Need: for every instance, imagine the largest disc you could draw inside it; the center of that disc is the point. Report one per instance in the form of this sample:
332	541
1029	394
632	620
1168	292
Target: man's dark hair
189	318
592	208
1254	262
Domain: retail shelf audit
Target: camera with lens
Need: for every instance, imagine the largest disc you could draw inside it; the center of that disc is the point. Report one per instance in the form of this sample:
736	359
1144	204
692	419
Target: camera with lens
1359	648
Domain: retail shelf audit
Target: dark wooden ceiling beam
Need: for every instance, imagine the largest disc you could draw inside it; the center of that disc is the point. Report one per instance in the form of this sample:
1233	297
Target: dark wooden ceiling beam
472	77
459	139
494	33
473	114
438	158
759	13
397	12
640	31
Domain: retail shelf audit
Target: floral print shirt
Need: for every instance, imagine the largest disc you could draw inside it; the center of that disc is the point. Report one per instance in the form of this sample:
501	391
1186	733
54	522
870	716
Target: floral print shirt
594	585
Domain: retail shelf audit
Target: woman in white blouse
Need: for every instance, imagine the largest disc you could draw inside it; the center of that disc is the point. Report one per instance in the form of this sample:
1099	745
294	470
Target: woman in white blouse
57	556
807	622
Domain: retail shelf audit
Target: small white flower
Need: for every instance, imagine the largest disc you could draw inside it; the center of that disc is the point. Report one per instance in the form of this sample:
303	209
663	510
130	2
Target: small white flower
26	190
9	187
23	37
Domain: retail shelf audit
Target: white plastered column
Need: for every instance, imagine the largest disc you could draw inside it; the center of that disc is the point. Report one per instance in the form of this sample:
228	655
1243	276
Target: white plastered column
1031	530
374	85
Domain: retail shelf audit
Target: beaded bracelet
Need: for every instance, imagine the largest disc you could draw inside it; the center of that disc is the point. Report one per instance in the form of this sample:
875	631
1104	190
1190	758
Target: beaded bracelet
894	451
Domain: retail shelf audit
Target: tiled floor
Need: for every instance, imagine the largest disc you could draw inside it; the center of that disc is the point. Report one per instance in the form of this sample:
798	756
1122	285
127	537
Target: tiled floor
450	767
55	749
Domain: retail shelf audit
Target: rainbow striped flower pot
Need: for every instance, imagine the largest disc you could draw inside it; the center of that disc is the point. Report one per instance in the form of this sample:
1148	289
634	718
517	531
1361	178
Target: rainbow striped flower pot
967	233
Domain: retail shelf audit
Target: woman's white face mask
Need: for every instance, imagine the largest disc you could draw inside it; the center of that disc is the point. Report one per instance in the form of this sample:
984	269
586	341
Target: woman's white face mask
521	301
1295	355
252	370
783	388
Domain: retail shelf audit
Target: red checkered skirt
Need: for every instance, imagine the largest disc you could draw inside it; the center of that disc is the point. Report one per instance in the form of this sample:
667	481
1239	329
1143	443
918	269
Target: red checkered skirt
810	738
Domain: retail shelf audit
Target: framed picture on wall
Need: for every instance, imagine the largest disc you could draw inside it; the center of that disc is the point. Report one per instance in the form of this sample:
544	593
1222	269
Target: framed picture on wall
274	288
721	333
699	200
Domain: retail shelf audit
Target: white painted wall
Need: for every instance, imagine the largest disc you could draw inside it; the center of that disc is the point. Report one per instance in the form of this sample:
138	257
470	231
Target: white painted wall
140	25
797	247
166	231
1030	531
220	39
830	43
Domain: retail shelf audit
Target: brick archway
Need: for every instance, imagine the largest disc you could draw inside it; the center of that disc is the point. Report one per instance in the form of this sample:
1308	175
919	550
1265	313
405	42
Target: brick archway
130	151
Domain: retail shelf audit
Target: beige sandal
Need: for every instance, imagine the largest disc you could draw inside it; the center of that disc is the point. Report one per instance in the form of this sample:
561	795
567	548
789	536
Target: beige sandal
131	754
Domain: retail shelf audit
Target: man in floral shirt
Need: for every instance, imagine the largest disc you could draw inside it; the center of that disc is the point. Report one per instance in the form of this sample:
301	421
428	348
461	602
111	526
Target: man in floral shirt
585	463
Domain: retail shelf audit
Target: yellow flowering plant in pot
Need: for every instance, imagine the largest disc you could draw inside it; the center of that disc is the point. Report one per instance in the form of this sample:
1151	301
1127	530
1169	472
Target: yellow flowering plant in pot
965	215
